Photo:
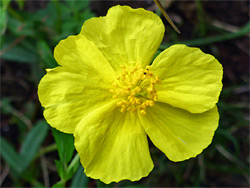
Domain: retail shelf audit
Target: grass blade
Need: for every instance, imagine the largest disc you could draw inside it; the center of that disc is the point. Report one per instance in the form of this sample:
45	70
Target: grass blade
210	40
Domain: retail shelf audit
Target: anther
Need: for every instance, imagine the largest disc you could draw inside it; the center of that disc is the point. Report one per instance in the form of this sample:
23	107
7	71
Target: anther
150	89
135	94
123	110
143	112
151	103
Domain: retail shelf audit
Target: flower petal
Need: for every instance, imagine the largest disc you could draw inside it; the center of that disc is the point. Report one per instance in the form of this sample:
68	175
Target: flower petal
179	133
126	35
78	54
69	96
191	79
112	145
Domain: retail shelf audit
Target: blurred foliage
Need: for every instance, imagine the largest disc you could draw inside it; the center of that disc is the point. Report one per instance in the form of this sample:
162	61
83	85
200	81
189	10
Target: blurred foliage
29	32
28	155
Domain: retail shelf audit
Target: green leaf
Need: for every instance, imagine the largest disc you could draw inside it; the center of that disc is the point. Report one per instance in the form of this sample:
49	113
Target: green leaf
20	3
18	53
21	28
60	169
72	168
5	105
4	15
33	141
229	136
59	184
64	172
101	184
46	54
80	179
75	6
11	157
65	145
5	3
213	39
47	14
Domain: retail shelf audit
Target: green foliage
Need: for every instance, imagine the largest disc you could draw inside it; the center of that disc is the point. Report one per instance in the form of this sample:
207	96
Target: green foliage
31	37
65	145
35	29
19	53
46	54
11	156
213	39
19	161
80	179
3	15
33	141
66	172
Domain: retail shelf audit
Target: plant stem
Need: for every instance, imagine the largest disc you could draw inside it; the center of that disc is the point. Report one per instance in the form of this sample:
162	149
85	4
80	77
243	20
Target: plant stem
45	150
74	161
158	3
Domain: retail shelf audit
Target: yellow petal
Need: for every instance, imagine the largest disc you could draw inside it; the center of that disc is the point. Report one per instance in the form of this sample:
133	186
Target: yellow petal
112	145
126	35
68	96
78	54
179	133
191	79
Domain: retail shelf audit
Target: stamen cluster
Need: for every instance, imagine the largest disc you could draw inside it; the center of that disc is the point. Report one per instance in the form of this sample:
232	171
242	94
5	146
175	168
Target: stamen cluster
136	88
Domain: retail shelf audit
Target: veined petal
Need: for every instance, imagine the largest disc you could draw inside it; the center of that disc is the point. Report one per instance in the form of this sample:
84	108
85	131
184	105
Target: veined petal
78	54
179	133
68	96
112	145
191	79
126	35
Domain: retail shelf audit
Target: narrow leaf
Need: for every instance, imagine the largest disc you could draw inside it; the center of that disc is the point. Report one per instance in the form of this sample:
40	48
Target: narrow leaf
65	145
46	54
19	54
213	39
59	184
33	141
4	15
72	168
20	4
80	179
11	157
60	169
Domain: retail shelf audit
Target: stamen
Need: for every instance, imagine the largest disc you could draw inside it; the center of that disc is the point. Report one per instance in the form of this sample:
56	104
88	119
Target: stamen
134	95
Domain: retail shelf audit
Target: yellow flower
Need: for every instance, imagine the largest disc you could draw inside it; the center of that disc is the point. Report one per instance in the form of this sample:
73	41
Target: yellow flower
107	94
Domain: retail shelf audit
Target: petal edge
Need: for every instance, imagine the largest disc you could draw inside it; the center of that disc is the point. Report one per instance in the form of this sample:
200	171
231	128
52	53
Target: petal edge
191	79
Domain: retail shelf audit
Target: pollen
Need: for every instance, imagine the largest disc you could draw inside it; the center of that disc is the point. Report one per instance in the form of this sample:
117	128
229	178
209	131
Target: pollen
135	87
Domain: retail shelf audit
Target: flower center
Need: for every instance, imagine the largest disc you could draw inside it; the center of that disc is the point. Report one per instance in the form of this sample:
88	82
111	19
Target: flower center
135	87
